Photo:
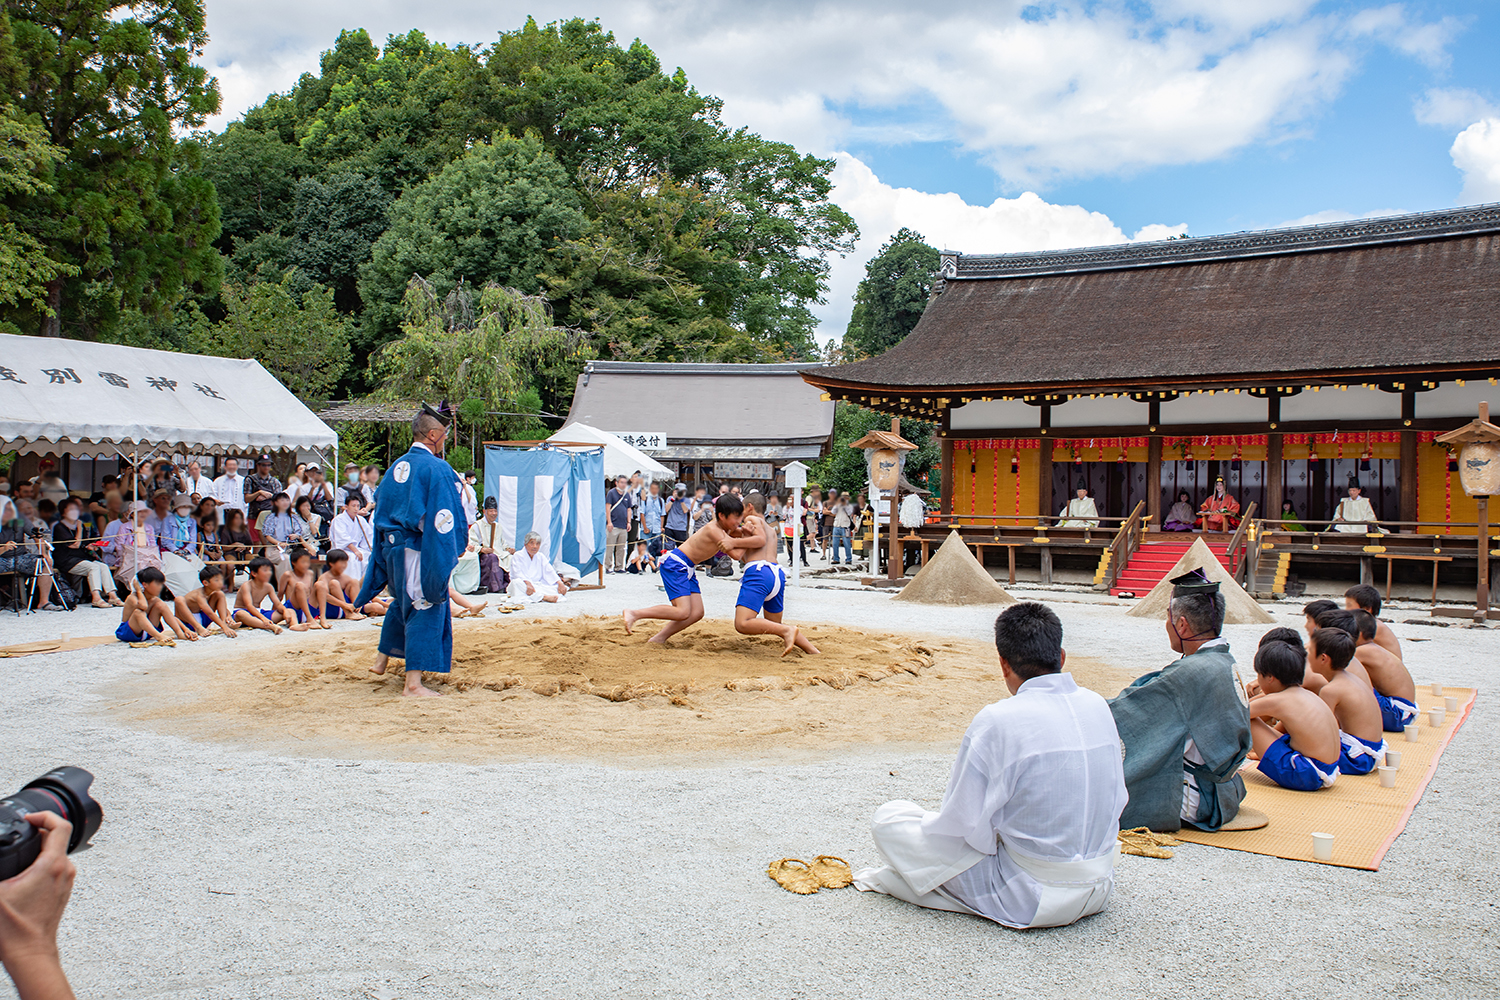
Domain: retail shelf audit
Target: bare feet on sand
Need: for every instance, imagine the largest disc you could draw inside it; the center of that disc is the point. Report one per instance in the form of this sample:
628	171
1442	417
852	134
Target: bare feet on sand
355	616
415	689
630	620
299	627
800	641
381	662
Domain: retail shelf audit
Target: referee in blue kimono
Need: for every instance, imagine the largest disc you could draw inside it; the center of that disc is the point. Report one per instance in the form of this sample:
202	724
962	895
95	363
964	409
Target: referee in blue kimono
419	535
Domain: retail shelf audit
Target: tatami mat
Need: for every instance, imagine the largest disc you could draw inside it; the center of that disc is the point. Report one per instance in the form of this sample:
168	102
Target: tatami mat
56	646
1363	817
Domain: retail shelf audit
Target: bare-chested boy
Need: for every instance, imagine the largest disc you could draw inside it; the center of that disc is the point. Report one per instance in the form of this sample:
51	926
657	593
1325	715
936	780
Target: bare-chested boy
1363	597
1394	688
145	615
1302	751
209	604
254	592
334	592
297	586
679	573
763	586
1330	654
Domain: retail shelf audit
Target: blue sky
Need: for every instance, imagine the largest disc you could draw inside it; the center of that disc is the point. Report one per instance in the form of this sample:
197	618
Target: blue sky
1009	125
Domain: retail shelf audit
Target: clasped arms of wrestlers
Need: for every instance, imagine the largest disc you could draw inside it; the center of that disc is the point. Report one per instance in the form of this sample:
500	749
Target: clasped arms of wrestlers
1045	780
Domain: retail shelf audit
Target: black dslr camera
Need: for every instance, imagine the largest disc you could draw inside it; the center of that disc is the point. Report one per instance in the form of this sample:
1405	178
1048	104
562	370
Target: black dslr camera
64	791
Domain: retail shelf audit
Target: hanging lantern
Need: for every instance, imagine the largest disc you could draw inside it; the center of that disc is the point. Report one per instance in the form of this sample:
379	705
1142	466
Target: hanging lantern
1364	461
1312	452
1452	461
1123	457
1187	458
1015	462
1234	463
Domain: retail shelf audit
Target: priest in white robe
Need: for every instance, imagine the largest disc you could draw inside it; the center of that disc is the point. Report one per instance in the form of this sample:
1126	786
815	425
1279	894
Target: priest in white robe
1027	830
1080	511
351	532
532	575
1354	513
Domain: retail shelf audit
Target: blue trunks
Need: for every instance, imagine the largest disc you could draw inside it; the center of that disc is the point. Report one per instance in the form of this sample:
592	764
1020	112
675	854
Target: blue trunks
1360	756
1395	713
1290	769
334	611
763	587
127	634
203	618
679	575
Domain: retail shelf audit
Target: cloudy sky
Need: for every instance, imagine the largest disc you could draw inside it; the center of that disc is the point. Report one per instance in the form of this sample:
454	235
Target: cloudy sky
1004	126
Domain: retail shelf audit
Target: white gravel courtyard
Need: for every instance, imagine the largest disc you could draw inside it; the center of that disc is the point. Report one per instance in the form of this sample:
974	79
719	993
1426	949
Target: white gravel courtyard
226	871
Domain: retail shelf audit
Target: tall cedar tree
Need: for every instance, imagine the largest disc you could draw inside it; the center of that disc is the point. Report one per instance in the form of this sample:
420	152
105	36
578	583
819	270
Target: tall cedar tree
891	297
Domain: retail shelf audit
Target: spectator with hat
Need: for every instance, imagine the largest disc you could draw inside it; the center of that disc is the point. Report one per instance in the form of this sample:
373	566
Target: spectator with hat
49	485
260	491
679	517
177	532
159	512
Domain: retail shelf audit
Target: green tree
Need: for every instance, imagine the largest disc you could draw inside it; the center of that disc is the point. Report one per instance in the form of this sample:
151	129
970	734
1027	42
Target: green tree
255	174
25	267
844	468
892	295
491	216
478	349
112	81
303	341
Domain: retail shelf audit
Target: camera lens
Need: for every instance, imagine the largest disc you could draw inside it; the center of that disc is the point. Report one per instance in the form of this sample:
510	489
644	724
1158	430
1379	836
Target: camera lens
64	791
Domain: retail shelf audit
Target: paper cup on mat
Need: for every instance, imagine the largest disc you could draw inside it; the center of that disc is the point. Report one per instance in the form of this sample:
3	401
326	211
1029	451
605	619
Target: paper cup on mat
1393	759
65	638
1435	717
1437	690
1451	704
1413	733
1387	777
1323	846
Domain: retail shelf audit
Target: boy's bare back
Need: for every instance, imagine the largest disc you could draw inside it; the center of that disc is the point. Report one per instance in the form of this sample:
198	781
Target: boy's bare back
1387	674
754	526
1386	639
1354	706
1306	718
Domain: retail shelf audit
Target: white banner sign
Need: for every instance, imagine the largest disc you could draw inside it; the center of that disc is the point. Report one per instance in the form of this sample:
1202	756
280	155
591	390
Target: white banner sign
647	441
742	470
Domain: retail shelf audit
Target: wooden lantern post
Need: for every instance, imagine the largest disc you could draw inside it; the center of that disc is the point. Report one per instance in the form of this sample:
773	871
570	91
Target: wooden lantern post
885	475
1479	472
796	480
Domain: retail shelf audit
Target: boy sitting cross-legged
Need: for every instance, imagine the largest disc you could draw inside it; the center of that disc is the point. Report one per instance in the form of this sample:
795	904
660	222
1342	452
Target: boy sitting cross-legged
334	592
145	615
209	604
1302	753
1351	698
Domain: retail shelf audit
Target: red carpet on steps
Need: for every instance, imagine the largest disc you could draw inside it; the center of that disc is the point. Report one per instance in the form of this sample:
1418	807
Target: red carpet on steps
1153	560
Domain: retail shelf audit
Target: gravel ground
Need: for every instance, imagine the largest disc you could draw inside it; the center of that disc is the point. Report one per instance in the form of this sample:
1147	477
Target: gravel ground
230	873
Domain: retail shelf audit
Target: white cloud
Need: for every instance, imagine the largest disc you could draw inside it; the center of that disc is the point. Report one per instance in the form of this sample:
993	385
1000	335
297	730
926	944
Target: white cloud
1040	91
1476	152
946	221
1452	107
1335	215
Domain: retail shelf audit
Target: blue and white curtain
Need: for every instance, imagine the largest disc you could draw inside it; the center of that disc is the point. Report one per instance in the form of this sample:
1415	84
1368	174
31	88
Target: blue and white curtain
557	494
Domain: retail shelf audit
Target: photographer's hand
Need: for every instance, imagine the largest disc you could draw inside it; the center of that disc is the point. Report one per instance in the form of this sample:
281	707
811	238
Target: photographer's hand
31	907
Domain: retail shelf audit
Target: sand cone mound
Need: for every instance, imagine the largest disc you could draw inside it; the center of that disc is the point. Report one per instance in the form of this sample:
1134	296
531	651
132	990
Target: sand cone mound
1239	607
954	577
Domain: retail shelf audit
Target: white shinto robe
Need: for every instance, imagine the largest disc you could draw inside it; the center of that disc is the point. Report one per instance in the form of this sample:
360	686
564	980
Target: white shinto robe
352	534
1357	511
1080	514
536	569
1027	831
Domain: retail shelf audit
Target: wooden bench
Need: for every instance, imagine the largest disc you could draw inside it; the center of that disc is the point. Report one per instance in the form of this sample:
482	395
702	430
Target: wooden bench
1390	564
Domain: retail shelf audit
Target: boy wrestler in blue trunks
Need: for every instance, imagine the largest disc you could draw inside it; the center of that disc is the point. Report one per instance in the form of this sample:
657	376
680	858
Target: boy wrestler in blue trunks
763	587
1302	753
145	615
678	569
209	604
1394	689
1351	698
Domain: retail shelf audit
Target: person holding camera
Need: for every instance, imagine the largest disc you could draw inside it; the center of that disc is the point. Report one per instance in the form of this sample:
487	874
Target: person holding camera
31	907
21	553
679	514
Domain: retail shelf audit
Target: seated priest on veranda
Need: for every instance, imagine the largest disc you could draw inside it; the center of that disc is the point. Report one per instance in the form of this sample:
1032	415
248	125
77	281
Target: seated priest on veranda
1080	511
1027	830
1220	512
1354	513
1181	516
532	575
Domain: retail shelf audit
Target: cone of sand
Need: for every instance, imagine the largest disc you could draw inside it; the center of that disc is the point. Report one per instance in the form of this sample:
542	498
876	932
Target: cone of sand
1239	607
955	578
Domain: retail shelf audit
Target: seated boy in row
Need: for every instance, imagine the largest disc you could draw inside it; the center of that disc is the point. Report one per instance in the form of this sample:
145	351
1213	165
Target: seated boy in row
1394	688
209	604
1363	597
297	588
146	616
1345	691
335	590
254	592
1302	752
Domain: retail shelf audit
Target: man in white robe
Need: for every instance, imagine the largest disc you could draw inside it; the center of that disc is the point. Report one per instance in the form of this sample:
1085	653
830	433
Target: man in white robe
1027	830
1080	511
1354	513
532	576
350	531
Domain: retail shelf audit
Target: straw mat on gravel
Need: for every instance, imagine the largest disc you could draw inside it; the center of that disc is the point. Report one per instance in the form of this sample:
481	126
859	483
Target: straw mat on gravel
1364	818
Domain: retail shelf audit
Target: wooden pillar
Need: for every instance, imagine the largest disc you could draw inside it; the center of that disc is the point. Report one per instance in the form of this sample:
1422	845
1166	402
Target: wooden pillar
947	484
1408	479
1153	480
1275	474
1044	478
1482	604
1046	564
895	566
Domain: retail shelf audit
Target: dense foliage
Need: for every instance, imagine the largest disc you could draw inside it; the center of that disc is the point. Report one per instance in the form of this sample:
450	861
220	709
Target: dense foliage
891	296
844	467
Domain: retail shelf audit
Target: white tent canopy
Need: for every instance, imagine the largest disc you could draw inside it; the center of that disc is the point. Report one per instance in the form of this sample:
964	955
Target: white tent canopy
620	459
80	398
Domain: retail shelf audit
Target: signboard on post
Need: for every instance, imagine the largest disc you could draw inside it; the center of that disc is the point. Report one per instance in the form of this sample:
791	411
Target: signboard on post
796	480
742	470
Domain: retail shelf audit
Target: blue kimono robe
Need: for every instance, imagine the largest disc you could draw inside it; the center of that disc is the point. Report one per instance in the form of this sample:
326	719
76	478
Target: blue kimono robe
1199	698
419	534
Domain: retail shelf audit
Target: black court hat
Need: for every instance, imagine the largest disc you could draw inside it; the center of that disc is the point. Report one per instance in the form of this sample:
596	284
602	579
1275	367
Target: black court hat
1189	584
442	414
1081	485
491	504
1354	483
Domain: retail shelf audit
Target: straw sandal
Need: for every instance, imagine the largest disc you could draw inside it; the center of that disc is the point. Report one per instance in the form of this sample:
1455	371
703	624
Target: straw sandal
1142	842
831	872
793	875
